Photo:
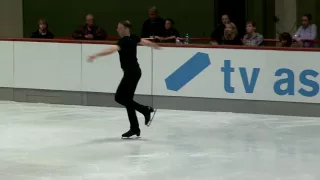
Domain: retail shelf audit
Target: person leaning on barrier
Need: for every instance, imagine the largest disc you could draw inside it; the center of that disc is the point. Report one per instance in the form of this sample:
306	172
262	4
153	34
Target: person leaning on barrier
252	38
307	32
42	31
90	31
170	33
285	39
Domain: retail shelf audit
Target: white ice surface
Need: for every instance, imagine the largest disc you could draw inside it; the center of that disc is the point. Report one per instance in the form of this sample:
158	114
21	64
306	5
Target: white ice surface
56	142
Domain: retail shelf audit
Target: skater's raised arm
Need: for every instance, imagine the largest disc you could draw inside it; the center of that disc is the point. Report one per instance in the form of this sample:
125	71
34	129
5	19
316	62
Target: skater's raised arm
146	42
105	52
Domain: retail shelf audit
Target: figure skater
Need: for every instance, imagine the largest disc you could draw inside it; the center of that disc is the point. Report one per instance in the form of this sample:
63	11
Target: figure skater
127	48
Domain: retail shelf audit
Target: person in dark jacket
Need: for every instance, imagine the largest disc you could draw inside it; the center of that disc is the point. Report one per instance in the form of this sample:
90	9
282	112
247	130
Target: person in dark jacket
231	36
285	39
42	31
90	31
154	26
170	33
218	33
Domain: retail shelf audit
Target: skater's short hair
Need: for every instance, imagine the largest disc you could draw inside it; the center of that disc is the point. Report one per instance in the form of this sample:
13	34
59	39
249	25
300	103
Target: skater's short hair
126	24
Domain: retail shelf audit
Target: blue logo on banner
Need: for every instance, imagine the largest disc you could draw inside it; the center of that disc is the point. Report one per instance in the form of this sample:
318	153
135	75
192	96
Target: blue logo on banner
285	80
189	70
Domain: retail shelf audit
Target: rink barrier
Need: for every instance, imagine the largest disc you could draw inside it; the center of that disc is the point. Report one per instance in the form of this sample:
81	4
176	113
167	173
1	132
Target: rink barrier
268	80
194	39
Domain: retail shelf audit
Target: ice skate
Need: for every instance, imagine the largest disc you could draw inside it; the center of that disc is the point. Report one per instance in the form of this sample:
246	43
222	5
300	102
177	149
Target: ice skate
131	133
149	116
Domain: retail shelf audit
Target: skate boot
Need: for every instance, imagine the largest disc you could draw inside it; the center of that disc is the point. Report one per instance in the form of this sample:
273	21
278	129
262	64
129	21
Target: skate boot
149	115
131	133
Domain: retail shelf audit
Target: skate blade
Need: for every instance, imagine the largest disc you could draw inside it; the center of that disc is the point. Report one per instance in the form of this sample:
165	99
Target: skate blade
154	113
130	138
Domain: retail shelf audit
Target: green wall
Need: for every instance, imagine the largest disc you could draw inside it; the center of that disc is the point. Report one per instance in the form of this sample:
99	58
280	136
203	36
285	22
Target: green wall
64	16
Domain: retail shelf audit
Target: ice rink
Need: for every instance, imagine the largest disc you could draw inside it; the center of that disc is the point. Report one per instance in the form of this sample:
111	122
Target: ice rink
56	142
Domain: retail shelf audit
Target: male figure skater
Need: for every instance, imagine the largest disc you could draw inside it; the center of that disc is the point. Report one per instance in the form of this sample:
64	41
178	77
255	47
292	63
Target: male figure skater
127	48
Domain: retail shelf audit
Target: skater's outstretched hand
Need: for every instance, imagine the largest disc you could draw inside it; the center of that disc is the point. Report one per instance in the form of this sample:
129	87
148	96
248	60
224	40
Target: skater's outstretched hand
105	52
91	58
146	42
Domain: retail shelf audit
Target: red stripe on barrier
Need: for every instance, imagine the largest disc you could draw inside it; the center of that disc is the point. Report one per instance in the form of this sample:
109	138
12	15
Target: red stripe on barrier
70	40
114	38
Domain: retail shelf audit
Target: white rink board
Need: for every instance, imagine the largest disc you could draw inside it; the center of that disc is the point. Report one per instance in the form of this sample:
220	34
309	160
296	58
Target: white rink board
210	83
54	66
105	73
64	66
6	64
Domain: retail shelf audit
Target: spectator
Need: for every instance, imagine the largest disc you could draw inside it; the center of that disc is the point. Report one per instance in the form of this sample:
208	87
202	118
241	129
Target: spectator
252	38
306	32
154	26
285	39
170	34
218	33
42	31
231	36
90	31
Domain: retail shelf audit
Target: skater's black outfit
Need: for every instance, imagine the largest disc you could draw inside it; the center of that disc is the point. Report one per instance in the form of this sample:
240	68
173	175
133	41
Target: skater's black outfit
132	74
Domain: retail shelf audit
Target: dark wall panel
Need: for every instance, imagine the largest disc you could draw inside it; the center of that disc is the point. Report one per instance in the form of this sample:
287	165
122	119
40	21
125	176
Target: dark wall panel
237	12
263	12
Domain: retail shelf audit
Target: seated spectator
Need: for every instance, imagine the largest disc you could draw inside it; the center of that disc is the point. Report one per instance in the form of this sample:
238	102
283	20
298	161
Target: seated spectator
170	34
90	31
218	33
231	36
252	38
306	32
42	31
154	26
285	39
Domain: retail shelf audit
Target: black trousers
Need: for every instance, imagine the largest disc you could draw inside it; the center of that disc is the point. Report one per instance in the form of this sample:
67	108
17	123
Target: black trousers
125	95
